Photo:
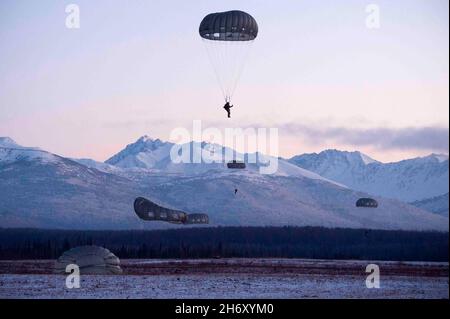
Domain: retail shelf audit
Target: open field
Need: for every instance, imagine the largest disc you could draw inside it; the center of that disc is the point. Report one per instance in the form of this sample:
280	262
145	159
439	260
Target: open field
230	278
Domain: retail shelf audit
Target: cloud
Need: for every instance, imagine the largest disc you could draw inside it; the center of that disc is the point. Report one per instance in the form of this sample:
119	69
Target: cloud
423	138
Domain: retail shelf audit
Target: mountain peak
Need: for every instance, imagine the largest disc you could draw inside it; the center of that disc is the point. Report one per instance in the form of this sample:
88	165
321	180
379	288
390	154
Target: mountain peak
146	138
148	142
439	157
367	159
143	153
352	157
7	142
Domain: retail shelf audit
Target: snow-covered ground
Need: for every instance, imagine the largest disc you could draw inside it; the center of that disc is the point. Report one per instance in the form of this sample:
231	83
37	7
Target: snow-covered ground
238	278
222	286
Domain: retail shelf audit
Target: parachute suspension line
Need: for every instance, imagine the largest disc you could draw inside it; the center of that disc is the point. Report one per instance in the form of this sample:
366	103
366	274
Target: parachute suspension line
242	59
220	50
227	67
232	51
228	59
216	47
211	56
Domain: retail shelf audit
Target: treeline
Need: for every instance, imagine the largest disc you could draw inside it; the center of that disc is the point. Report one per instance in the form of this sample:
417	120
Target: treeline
281	242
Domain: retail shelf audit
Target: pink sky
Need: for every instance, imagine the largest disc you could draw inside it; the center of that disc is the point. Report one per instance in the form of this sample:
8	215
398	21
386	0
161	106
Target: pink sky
140	68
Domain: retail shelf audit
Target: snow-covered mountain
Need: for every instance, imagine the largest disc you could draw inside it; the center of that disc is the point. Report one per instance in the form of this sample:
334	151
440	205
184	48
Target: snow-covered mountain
62	193
437	204
407	180
10	151
153	155
41	189
103	167
8	142
144	153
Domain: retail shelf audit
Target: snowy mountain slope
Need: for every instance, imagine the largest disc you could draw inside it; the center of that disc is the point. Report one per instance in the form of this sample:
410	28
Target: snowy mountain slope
154	155
8	142
102	167
144	153
279	200
41	189
407	180
10	151
438	204
63	193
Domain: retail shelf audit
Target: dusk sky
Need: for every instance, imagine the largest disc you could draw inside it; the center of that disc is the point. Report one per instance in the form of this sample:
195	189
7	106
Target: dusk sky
138	68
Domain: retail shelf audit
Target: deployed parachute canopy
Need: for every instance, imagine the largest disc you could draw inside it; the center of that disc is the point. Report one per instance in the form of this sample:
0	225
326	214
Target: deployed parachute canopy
227	37
367	202
90	260
232	25
148	210
236	165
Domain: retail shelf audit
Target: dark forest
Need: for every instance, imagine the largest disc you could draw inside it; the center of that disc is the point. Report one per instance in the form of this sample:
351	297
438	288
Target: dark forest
224	242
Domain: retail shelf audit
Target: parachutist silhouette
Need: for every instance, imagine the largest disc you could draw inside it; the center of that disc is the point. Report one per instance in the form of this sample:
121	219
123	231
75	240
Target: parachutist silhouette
235	191
227	108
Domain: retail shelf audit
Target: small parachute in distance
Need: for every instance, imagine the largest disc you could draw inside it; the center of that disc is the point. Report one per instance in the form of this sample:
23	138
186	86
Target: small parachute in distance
150	211
93	260
367	202
236	165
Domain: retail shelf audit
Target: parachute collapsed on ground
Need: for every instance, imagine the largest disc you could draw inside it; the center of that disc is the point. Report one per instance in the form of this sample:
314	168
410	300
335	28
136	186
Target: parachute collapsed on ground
228	37
148	210
367	202
92	260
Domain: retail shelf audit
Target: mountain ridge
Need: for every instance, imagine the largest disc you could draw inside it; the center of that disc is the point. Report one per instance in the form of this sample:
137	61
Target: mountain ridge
437	204
407	180
67	193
